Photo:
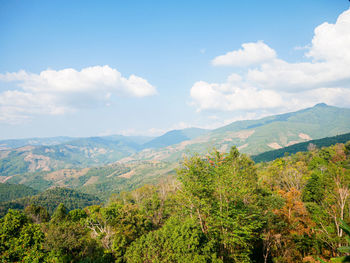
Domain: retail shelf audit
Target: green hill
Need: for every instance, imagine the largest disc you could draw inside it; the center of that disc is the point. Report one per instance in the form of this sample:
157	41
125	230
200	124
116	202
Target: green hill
10	192
51	198
300	147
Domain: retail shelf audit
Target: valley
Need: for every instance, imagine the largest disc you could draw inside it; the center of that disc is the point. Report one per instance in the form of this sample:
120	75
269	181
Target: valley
102	166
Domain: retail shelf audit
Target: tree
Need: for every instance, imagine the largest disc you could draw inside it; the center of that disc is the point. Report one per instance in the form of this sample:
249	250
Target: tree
179	240
19	239
220	192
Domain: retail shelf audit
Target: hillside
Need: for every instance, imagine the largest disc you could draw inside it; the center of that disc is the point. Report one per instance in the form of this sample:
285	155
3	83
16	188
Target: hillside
300	147
100	181
174	137
282	207
10	192
51	198
78	153
111	164
257	136
16	143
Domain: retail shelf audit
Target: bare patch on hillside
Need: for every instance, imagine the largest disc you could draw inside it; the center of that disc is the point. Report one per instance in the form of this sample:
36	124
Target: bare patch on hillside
305	136
242	146
65	174
92	180
243	135
38	162
291	143
3	179
4	154
25	148
128	174
274	145
183	145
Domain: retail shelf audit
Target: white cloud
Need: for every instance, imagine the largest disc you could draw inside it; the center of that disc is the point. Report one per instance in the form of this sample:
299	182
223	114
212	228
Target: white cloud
229	97
58	92
250	54
275	84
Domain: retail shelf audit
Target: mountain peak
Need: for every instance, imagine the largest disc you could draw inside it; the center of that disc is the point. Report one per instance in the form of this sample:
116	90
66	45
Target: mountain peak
321	105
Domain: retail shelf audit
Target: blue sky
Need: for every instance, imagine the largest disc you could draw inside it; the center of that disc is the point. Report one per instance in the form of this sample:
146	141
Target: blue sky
65	66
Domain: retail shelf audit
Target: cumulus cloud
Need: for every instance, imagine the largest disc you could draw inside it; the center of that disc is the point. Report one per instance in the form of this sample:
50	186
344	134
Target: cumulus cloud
57	92
250	54
277	84
230	97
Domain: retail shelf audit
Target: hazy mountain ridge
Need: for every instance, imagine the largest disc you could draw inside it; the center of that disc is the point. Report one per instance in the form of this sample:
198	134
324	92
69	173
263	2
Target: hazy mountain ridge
76	153
174	137
257	136
103	165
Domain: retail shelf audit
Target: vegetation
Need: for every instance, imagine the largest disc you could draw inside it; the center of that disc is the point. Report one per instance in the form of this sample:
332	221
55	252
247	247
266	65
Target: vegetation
50	199
10	192
252	137
300	147
220	208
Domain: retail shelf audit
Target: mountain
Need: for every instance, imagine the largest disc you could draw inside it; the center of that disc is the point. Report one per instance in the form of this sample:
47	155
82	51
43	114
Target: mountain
77	153
111	164
301	147
99	181
16	143
174	137
257	136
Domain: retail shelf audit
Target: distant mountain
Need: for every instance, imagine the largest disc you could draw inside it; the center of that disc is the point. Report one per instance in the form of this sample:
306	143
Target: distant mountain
110	164
51	198
139	140
174	137
77	153
300	147
257	136
16	143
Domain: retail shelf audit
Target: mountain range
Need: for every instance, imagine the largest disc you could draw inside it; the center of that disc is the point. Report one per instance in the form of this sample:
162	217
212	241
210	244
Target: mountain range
107	164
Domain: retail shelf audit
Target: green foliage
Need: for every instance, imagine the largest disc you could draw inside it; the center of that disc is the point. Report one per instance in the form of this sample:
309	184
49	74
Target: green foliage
314	189
19	239
179	240
220	191
50	199
37	214
221	208
69	242
9	192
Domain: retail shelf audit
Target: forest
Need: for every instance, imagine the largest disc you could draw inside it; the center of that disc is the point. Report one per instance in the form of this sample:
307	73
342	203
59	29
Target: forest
221	207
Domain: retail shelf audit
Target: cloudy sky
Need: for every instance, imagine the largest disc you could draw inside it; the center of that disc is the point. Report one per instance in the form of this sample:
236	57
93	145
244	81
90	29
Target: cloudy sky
87	68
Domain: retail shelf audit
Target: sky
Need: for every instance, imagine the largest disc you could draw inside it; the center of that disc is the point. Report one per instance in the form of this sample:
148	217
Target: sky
92	68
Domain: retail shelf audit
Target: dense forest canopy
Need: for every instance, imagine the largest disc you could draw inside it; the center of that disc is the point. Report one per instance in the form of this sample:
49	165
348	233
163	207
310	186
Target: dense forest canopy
220	208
